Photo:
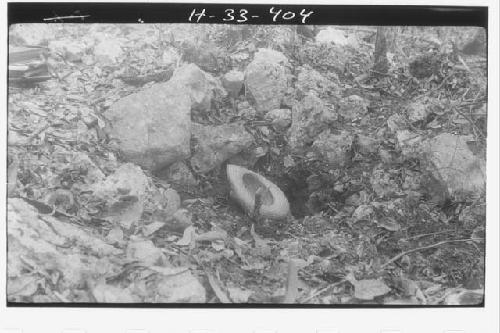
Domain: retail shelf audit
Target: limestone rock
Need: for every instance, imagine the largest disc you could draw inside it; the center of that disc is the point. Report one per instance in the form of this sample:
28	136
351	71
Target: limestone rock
417	111
178	288
144	251
125	193
249	157
334	148
216	144
367	144
152	128
384	183
172	201
178	174
409	143
336	36
280	118
245	110
309	80
200	86
35	240
127	179
266	79
451	161
396	122
353	107
309	118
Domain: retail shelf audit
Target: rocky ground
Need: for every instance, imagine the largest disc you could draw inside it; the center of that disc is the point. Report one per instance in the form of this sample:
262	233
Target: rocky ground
117	179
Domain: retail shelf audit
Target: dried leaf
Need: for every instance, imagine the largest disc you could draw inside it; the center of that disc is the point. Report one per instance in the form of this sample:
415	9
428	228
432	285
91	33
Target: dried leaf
188	238
212	236
215	284
389	224
369	289
151	228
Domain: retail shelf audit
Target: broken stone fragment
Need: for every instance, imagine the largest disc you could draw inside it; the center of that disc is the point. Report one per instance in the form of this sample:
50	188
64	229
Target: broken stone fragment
334	148
335	36
367	144
310	80
216	144
409	143
417	111
178	174
244	185
266	79
280	118
310	117
450	160
353	107
152	128
233	82
200	86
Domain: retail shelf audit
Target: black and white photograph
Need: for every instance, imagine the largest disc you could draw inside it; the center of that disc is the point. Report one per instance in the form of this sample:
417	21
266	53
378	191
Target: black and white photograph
224	164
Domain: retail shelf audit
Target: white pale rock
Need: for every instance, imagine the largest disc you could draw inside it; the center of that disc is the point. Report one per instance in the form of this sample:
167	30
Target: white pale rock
281	118
336	36
266	79
353	106
396	122
200	86
451	161
309	79
409	143
128	179
334	148
180	288
179	174
417	111
216	144
172	201
310	117
367	144
152	128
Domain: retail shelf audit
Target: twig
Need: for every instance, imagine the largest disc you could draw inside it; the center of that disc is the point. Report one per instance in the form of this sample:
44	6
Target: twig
429	234
321	291
393	259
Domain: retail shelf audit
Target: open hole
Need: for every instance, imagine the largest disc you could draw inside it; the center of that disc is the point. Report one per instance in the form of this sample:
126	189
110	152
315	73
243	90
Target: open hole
252	184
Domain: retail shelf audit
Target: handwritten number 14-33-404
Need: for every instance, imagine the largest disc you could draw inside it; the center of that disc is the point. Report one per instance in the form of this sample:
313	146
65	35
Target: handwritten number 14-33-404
243	15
